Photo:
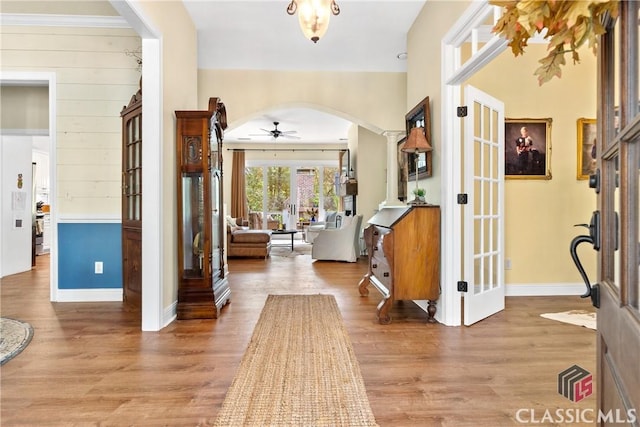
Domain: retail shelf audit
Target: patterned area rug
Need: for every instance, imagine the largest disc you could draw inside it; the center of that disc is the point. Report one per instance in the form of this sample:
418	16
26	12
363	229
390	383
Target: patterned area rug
299	369
574	317
285	250
14	337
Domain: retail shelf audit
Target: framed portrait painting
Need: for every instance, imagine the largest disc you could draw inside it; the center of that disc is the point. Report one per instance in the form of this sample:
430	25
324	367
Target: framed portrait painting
586	147
527	148
420	116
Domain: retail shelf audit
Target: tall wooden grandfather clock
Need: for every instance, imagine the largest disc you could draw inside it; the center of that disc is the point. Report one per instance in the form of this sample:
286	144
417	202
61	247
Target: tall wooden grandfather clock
203	288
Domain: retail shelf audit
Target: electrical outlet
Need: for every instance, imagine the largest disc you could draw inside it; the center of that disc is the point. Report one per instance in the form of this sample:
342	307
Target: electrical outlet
507	264
98	267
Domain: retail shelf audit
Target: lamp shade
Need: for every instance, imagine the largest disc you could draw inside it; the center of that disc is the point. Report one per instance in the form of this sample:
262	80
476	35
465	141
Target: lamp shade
417	142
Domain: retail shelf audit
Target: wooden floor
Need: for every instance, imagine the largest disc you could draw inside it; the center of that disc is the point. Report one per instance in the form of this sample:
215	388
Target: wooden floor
89	364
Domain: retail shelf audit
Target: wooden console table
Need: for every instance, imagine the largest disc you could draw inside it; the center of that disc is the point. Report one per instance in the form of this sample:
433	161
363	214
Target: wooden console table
403	246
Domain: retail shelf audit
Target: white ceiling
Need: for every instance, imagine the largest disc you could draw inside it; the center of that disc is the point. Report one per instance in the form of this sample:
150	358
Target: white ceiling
259	34
238	34
365	36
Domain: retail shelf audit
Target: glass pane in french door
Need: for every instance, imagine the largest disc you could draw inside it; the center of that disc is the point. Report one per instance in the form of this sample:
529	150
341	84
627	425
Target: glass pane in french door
330	185
278	198
254	181
307	180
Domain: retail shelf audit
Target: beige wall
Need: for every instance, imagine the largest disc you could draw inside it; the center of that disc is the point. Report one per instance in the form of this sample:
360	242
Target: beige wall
423	76
374	101
24	108
371	172
67	7
95	79
540	214
179	92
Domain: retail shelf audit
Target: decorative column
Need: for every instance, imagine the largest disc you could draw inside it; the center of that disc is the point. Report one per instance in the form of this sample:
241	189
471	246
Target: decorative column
392	169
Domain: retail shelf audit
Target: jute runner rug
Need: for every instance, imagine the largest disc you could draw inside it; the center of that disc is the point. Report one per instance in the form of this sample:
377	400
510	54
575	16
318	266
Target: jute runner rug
299	369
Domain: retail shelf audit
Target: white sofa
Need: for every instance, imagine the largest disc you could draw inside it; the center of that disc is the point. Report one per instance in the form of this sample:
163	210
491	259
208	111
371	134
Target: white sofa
339	244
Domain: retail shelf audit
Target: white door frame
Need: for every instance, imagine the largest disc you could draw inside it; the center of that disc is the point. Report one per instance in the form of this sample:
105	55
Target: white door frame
154	317
454	74
26	78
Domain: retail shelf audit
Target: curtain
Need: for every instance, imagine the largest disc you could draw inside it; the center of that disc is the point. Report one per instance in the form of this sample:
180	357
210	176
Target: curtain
238	192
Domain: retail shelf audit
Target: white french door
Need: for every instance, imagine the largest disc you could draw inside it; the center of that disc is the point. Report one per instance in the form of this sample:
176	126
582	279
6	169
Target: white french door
483	215
290	193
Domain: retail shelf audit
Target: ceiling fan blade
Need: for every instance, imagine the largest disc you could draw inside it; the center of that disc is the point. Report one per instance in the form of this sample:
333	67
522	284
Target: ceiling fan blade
288	131
289	136
260	134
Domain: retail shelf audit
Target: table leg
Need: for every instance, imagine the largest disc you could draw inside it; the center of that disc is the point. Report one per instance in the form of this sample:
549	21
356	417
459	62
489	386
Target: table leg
292	241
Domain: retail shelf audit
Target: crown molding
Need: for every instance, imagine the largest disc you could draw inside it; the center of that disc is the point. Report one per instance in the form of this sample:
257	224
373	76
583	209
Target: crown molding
46	20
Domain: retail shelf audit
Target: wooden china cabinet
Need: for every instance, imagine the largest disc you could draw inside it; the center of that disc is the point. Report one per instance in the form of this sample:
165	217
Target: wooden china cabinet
132	201
203	288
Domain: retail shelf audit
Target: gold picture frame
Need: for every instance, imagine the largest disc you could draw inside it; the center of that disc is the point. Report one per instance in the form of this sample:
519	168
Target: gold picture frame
586	145
527	148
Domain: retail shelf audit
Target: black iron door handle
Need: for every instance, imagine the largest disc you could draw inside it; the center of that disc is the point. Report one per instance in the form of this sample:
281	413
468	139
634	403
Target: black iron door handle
576	260
594	239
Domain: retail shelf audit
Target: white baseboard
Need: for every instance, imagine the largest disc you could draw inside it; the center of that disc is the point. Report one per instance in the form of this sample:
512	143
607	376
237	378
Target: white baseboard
89	295
544	289
530	290
170	313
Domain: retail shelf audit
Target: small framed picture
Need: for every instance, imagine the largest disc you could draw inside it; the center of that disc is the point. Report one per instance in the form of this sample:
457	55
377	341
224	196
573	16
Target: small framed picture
586	147
527	148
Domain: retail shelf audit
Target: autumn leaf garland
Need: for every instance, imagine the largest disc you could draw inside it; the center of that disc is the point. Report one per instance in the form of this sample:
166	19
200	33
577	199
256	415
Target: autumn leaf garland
568	24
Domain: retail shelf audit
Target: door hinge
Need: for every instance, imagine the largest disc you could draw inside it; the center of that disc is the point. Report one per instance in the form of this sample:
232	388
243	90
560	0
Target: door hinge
595	295
462	111
462	286
462	199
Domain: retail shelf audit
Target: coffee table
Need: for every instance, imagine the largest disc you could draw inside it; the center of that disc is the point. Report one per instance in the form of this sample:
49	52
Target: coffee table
291	232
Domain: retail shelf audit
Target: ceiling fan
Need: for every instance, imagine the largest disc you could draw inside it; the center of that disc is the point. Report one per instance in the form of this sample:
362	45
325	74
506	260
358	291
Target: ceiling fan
276	133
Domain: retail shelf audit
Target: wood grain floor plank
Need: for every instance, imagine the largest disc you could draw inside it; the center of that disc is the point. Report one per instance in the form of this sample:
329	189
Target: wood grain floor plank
89	363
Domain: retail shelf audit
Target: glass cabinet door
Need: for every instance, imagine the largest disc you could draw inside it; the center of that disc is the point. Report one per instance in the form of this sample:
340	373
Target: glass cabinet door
193	224
215	137
132	170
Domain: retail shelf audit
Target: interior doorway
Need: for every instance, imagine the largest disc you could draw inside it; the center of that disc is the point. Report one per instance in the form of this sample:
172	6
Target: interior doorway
42	144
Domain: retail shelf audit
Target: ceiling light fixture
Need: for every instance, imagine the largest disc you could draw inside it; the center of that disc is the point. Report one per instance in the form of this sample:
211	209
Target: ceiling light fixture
313	16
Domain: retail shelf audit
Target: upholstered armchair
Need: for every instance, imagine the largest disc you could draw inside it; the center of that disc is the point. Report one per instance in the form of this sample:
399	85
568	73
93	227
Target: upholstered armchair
256	221
339	244
333	220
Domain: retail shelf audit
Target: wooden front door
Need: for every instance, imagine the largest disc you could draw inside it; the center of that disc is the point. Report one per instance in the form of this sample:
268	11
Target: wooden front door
132	202
618	286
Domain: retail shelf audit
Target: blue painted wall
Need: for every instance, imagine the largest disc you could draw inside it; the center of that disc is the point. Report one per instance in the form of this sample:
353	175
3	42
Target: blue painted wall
80	245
